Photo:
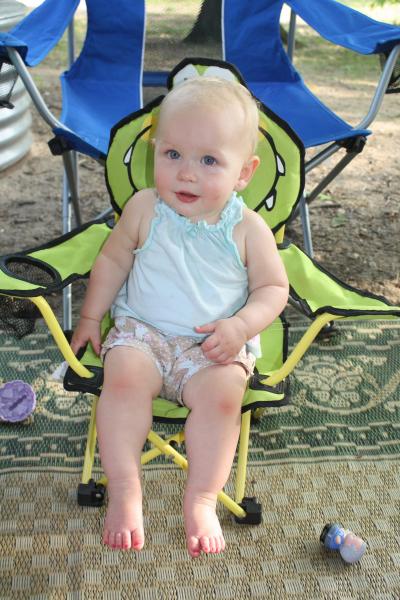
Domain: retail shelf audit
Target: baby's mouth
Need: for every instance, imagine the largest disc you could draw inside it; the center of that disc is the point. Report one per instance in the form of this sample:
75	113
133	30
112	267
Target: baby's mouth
186	197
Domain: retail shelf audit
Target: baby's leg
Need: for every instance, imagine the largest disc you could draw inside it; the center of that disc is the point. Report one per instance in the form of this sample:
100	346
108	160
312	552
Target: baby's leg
124	416
214	396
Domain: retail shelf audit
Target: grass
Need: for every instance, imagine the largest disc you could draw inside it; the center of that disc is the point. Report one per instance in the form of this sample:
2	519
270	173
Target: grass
387	12
315	57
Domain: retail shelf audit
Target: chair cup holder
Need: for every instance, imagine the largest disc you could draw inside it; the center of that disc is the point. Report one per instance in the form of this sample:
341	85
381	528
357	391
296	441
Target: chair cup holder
30	270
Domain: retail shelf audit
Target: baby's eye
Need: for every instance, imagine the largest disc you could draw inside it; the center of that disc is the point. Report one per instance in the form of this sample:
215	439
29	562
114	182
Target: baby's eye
208	160
173	154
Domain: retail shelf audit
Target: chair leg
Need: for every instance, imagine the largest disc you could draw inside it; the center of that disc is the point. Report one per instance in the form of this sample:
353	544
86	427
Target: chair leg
70	169
181	461
242	456
251	508
90	493
305	223
173	441
90	444
70	193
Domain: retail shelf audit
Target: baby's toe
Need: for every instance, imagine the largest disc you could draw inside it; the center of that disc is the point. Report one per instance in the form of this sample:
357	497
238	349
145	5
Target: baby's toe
126	540
137	539
193	546
214	545
109	539
205	544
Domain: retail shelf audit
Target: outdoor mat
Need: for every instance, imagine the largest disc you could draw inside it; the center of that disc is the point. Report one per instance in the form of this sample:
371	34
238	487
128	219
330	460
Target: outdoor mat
331	455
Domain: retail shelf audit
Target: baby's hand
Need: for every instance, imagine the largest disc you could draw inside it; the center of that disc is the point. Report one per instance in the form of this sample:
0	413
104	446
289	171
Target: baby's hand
88	330
227	337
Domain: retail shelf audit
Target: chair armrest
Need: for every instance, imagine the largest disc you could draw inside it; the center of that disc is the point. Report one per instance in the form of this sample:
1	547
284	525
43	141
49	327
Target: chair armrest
317	291
347	27
7	40
39	31
54	265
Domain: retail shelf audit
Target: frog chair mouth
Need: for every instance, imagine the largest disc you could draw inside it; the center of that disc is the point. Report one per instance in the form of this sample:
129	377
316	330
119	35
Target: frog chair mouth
26	278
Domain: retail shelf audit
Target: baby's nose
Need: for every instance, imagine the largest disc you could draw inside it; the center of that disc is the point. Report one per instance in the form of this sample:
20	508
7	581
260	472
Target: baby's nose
187	172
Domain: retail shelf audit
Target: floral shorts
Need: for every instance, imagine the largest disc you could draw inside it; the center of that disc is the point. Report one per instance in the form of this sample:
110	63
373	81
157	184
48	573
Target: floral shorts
177	358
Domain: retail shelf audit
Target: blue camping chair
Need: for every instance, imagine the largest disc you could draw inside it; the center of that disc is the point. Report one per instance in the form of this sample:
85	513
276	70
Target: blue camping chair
105	81
101	86
252	42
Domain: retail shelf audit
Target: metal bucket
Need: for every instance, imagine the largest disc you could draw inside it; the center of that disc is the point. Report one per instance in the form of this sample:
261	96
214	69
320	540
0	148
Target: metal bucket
15	124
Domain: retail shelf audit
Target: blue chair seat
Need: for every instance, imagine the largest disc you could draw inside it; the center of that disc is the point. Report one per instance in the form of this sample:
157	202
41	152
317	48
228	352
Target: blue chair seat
312	120
91	108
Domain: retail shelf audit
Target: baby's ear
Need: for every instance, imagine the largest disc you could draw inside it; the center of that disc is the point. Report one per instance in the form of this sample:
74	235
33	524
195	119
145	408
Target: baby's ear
247	172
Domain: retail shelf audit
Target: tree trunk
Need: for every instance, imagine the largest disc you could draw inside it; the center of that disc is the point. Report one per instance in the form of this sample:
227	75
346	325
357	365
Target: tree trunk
207	27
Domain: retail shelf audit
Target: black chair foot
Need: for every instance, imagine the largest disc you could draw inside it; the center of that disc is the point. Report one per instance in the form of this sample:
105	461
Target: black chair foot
253	512
91	493
327	332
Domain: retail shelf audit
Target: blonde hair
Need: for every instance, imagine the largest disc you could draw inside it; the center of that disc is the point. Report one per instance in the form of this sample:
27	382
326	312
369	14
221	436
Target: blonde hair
215	92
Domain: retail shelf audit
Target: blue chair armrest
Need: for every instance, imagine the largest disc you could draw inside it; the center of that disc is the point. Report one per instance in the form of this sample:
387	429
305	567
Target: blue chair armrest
347	27
39	31
7	40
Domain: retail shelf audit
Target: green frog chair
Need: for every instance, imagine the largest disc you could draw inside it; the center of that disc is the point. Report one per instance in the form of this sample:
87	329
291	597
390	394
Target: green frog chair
26	278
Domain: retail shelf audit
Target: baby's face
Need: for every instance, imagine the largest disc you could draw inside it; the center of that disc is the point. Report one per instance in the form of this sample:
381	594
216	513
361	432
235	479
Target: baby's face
201	156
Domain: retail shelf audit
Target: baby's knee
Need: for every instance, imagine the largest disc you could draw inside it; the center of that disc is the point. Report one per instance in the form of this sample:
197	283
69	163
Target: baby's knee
127	386
121	383
227	404
126	372
119	378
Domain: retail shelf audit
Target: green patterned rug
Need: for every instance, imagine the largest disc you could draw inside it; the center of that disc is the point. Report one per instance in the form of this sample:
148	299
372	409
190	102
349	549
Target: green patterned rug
331	455
345	402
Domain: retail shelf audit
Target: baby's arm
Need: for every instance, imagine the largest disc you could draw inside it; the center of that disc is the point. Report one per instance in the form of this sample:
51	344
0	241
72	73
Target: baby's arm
109	272
268	294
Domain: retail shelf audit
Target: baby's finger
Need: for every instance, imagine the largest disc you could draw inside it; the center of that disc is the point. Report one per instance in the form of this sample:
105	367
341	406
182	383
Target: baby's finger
223	359
215	354
96	344
207	328
210	343
75	345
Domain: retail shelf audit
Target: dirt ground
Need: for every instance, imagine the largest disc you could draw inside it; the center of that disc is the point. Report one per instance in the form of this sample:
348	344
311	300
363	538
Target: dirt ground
355	224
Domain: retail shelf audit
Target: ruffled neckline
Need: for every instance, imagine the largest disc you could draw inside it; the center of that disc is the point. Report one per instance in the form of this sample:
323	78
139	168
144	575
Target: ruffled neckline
230	215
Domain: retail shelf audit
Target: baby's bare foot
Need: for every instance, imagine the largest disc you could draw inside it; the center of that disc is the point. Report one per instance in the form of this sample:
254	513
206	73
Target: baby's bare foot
203	531
123	526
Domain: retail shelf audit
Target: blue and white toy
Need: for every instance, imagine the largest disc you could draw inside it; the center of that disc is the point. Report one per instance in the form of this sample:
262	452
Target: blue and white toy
335	537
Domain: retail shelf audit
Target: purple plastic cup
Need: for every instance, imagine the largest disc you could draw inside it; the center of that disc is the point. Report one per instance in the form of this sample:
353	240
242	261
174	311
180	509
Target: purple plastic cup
17	401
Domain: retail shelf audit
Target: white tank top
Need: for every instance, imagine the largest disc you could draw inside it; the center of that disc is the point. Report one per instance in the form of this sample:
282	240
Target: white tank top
186	274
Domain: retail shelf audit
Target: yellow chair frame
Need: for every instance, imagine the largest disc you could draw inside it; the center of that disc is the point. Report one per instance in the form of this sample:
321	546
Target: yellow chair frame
240	505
